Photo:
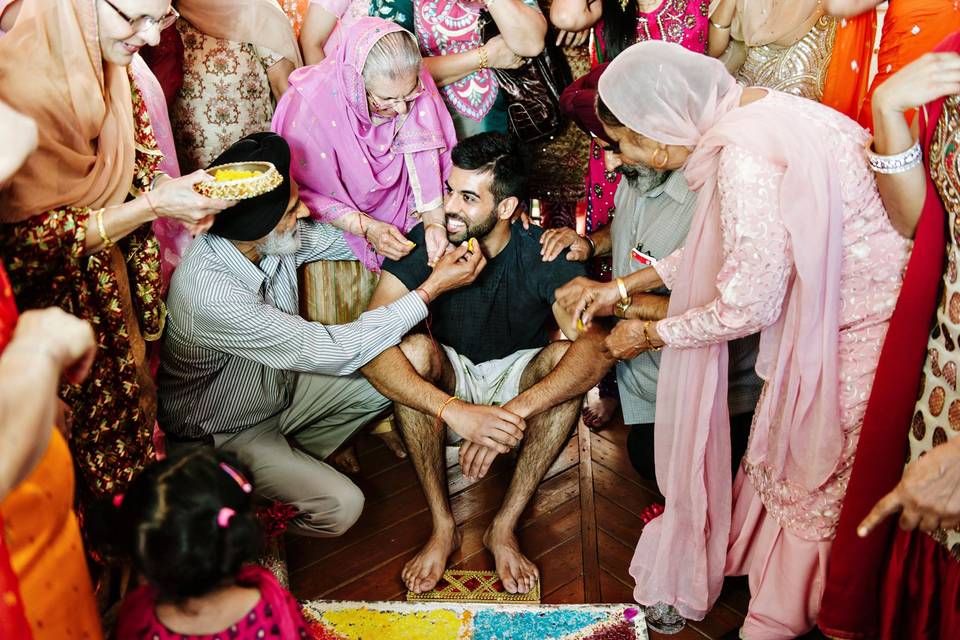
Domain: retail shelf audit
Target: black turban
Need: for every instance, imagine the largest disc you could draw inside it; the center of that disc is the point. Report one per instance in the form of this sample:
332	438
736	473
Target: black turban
254	218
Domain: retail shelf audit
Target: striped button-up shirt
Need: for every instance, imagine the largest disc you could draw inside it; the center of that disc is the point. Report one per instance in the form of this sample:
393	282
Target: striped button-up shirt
234	341
656	221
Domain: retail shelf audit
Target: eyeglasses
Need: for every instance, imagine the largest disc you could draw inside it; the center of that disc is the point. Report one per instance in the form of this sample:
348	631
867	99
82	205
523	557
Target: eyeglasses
387	104
143	23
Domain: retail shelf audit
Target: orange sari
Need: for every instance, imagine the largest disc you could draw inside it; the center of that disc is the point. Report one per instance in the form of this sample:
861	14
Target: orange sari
845	86
39	531
43	538
911	28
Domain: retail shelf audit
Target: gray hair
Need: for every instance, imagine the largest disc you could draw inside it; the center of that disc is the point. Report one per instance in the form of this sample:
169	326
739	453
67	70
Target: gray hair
394	56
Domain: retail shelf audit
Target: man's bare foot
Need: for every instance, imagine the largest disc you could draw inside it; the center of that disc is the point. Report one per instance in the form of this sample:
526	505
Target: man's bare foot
426	568
517	573
598	410
394	442
346	459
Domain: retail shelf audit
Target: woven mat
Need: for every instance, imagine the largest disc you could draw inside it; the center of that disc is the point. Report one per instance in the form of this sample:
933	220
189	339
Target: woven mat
341	620
458	585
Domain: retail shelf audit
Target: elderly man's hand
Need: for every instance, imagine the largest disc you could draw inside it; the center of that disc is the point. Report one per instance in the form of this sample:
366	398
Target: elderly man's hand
928	496
554	241
455	269
627	340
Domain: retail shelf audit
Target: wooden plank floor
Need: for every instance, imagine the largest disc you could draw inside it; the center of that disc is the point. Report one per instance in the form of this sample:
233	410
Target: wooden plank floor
580	529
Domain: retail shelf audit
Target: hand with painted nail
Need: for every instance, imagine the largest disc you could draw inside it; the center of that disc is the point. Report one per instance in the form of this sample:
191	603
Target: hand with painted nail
387	240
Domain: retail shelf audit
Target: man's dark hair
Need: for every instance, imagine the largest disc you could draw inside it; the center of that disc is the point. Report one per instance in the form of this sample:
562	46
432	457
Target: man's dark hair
499	154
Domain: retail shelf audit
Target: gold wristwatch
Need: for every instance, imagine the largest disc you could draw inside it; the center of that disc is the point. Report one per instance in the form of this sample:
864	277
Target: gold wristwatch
620	309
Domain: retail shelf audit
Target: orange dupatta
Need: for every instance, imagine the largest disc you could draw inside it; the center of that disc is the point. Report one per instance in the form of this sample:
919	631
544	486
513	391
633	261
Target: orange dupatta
51	70
845	86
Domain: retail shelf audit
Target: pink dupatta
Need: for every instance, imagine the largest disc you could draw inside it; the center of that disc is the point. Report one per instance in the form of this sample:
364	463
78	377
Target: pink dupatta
172	235
676	97
344	161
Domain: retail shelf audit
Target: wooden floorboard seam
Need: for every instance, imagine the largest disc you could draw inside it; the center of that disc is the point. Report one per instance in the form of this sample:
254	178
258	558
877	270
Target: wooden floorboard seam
588	518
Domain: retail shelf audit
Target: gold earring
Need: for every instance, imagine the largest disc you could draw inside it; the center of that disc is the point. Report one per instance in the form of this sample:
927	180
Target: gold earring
660	166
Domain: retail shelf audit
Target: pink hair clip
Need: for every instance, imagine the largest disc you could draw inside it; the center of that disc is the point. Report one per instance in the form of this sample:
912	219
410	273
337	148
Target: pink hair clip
237	476
118	500
224	516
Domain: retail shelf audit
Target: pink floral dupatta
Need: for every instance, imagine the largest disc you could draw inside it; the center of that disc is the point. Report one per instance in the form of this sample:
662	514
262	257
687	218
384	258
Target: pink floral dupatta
344	161
676	97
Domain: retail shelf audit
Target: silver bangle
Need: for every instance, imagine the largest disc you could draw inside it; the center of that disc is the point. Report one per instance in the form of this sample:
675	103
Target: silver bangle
897	163
718	26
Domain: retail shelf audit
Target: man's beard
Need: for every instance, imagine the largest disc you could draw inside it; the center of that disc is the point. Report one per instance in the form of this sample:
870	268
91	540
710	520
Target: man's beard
641	177
478	230
277	243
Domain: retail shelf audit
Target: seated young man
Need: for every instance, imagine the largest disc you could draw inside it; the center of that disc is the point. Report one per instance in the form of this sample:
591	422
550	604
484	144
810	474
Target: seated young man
241	370
491	372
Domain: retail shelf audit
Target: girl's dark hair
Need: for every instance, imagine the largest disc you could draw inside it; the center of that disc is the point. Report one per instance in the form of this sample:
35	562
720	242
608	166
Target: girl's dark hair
171	513
619	27
606	116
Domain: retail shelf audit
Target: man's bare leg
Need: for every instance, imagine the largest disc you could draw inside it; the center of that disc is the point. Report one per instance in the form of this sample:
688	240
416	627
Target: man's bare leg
545	435
425	445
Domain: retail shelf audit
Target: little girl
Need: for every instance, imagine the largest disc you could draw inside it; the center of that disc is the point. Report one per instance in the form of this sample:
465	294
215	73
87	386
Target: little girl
193	532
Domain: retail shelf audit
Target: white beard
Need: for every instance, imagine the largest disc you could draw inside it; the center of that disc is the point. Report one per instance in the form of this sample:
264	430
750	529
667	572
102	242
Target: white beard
280	244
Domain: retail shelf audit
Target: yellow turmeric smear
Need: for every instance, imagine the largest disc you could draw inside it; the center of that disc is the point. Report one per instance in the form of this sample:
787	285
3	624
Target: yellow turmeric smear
226	175
364	624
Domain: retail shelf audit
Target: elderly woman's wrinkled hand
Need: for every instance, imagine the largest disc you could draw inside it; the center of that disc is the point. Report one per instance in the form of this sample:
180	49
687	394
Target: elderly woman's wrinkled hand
586	299
176	198
928	496
627	340
500	56
438	244
387	240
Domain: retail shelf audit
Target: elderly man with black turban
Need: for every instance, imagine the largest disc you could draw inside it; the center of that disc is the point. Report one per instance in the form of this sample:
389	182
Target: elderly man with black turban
241	370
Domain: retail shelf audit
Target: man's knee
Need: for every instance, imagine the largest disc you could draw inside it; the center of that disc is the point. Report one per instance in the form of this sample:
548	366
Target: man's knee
347	510
341	510
424	354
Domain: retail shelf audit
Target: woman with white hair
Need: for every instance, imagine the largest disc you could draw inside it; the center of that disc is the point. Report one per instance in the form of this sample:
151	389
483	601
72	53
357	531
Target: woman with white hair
789	239
371	139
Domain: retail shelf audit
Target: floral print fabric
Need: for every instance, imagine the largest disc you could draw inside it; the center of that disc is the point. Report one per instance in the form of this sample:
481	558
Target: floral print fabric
112	423
225	96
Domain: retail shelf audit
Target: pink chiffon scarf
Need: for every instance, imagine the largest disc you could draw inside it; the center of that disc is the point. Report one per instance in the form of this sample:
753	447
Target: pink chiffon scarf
677	97
344	160
172	236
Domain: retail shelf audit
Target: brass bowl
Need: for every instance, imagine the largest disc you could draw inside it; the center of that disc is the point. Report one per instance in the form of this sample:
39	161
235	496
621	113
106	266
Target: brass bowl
268	180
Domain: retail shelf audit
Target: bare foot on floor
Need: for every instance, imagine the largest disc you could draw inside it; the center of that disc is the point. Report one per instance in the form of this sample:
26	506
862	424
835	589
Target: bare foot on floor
598	410
517	573
423	572
394	442
346	459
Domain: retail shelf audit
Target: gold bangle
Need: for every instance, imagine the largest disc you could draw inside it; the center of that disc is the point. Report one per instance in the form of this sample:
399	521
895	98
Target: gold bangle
434	224
717	26
646	336
482	52
107	242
